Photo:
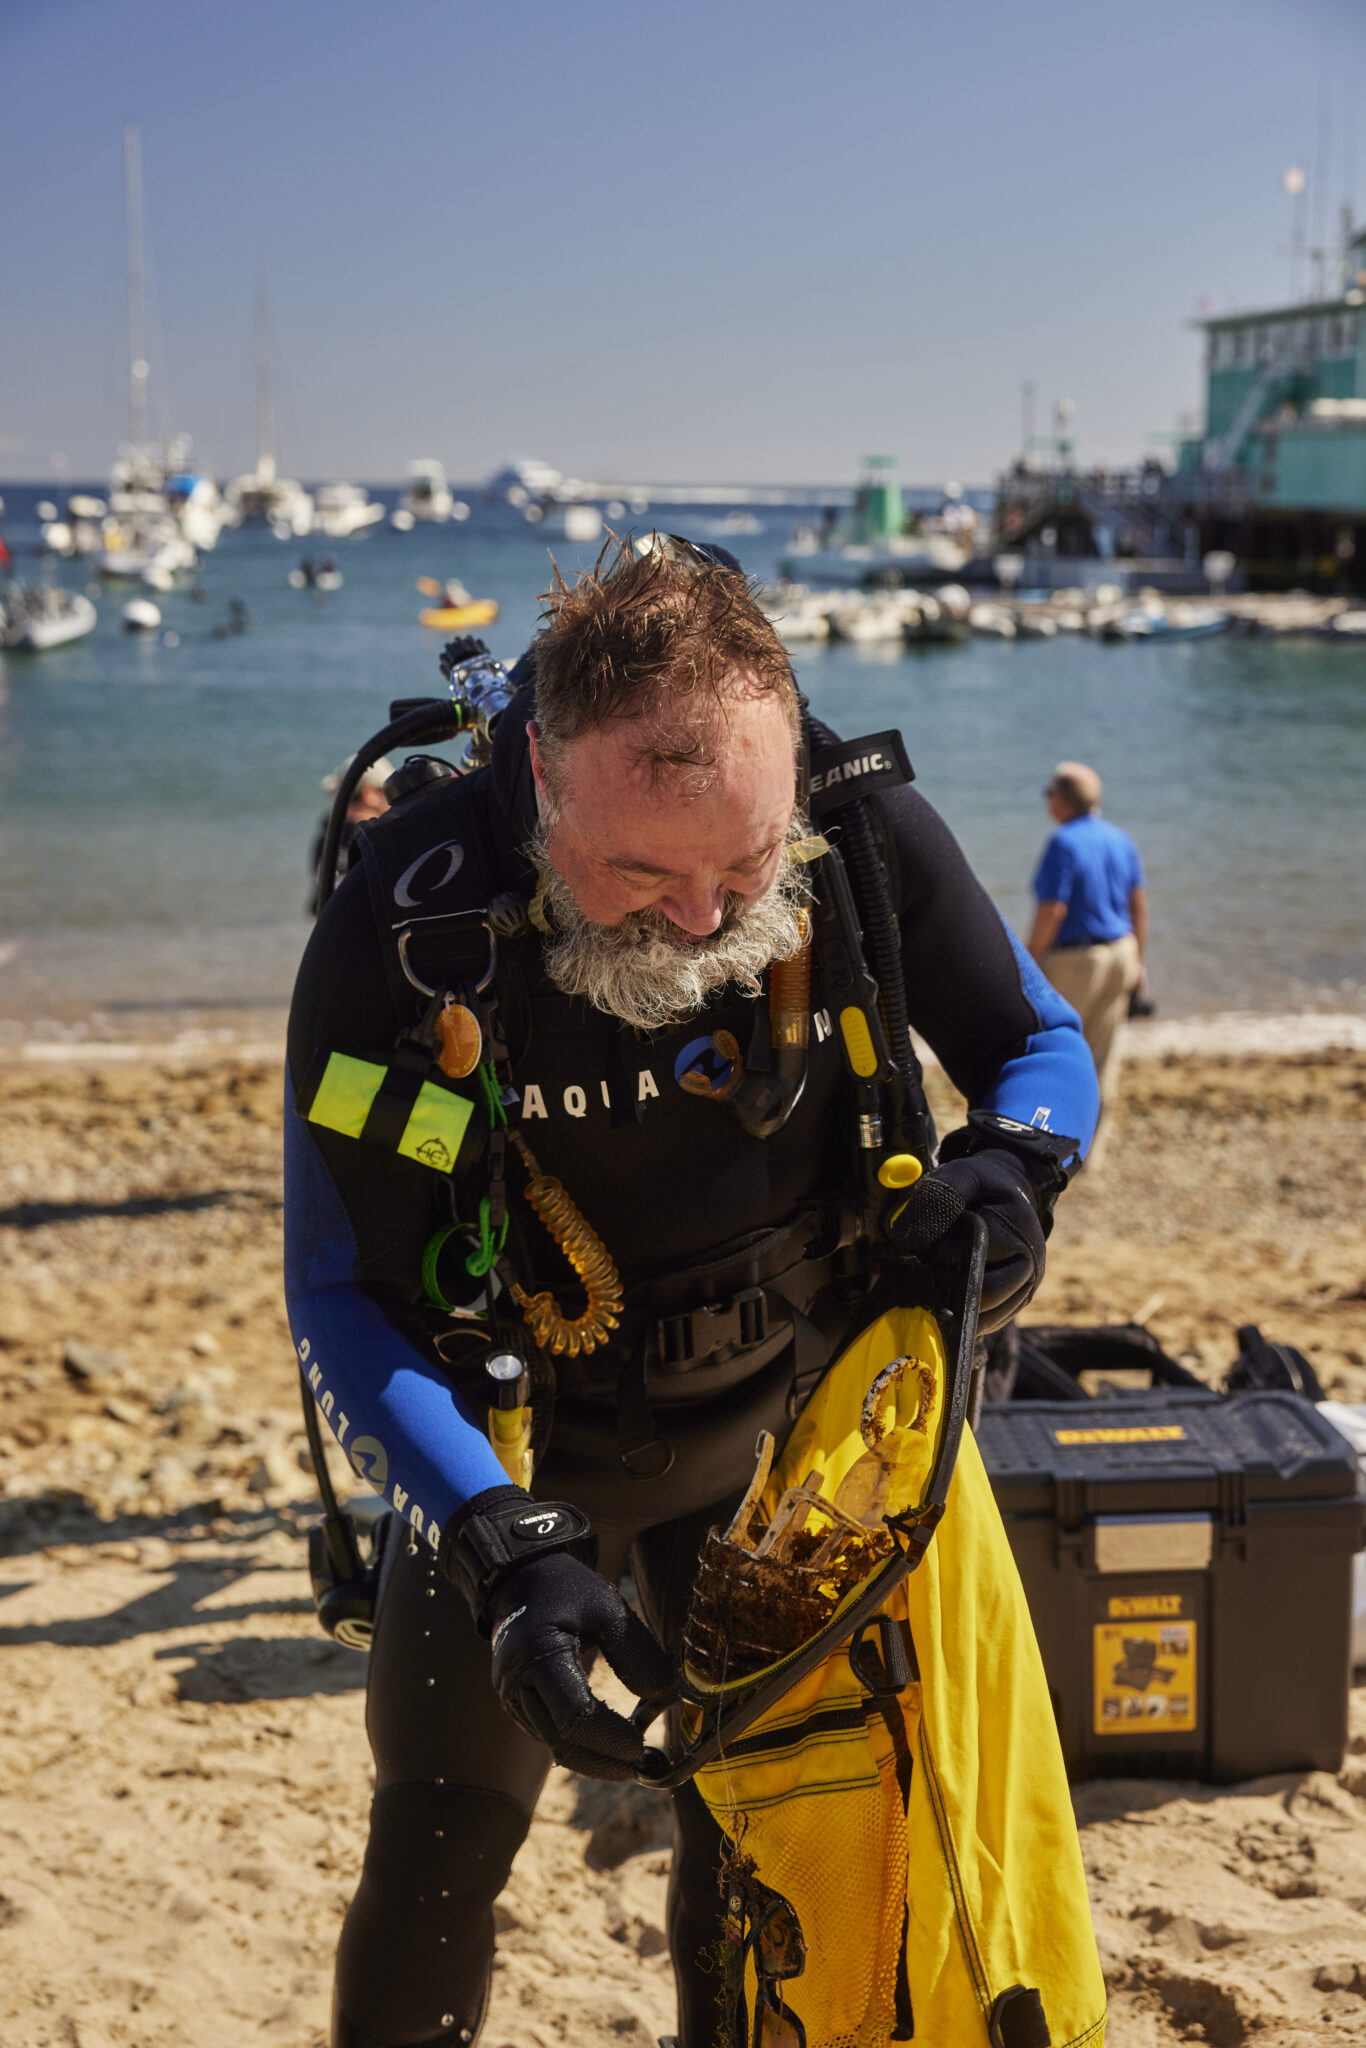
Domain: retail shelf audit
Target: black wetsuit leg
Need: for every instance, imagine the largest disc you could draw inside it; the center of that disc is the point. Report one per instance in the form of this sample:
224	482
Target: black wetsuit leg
663	1562
456	1784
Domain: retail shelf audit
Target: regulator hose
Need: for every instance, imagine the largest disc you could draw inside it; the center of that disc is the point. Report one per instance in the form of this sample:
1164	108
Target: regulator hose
552	1329
426	724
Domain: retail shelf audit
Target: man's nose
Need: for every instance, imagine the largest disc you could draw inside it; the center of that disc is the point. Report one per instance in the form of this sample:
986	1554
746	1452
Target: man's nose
695	907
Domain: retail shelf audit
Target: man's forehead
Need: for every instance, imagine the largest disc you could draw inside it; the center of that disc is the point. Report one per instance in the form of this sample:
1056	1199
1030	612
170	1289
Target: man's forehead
683	752
670	818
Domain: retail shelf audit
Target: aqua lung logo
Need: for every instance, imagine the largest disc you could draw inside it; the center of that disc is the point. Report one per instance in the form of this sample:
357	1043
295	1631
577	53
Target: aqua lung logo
367	1454
371	1461
699	1056
431	871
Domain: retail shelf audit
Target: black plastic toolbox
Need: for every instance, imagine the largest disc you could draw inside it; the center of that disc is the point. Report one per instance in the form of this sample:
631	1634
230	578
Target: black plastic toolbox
1187	1560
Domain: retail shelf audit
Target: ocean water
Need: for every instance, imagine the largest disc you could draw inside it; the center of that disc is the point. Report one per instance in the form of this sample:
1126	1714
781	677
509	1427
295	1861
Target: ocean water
157	802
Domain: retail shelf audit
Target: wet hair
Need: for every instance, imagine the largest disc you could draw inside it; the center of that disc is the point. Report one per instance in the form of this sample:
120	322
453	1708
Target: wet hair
665	635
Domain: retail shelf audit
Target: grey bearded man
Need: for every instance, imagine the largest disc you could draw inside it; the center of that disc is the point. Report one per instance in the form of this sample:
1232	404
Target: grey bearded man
647	1202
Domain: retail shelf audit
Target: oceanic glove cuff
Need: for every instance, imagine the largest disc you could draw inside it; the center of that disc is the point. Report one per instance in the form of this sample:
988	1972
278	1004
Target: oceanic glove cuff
996	1186
1048	1158
502	1529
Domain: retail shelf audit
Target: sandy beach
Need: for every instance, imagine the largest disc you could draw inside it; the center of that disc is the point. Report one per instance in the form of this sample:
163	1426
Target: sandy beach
184	1759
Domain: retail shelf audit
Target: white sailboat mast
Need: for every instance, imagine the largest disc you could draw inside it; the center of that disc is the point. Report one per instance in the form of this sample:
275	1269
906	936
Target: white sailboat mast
137	324
265	404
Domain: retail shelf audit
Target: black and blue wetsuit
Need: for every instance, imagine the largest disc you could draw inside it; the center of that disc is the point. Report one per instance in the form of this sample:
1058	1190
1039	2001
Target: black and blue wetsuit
693	1211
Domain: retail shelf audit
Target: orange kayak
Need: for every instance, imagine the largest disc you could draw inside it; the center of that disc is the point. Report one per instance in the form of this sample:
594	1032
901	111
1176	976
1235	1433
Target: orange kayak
452	617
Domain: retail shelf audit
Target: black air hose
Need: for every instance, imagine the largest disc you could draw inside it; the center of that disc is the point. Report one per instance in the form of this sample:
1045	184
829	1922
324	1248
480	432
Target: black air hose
430	721
913	1126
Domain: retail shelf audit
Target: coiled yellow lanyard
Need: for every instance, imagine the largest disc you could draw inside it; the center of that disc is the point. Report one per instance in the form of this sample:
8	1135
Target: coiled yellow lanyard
587	1254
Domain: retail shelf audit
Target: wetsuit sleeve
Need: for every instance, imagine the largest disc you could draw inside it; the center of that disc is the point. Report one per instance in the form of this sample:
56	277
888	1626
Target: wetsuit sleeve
1003	1034
356	1222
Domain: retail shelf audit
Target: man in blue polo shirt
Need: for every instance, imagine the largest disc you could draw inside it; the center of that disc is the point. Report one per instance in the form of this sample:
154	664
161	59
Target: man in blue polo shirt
1090	930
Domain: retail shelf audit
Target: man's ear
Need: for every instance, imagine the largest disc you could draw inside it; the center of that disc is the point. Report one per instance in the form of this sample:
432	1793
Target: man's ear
533	733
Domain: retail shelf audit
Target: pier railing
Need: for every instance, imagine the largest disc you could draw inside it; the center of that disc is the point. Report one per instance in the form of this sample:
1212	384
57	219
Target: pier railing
1150	490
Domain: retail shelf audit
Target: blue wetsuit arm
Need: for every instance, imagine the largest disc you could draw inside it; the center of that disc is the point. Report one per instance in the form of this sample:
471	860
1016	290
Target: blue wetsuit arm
1004	1035
395	1414
356	1221
1051	1081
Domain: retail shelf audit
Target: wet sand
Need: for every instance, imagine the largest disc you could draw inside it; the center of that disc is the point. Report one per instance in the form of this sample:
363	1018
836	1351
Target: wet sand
184	1754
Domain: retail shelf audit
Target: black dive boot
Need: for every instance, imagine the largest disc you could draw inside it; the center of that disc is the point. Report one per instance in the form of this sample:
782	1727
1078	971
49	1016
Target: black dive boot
458	2034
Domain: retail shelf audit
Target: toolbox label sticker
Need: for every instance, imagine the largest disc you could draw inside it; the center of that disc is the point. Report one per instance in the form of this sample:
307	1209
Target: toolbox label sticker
1144	1677
1151	1433
1127	1606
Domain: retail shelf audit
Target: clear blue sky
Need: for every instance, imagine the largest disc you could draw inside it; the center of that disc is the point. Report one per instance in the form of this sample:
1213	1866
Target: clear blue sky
749	240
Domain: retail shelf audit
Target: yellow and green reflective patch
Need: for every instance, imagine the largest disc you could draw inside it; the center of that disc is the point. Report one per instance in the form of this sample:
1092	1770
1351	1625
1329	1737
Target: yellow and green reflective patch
345	1093
432	1133
435	1127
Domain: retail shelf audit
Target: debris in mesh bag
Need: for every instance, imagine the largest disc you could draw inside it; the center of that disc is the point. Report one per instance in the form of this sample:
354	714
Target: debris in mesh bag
758	1924
760	1592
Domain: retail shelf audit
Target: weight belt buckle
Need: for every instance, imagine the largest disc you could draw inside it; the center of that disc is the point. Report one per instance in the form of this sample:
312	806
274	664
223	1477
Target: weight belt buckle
683	1341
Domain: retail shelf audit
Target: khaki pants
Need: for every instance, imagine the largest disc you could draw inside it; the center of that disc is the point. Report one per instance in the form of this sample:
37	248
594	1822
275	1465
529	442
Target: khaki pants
1097	981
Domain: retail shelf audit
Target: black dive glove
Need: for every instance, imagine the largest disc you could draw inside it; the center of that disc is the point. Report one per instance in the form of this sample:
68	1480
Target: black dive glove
525	1568
1010	1176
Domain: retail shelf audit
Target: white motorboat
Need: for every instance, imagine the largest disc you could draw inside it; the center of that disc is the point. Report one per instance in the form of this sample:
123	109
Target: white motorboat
522	481
426	495
1349	625
993	621
940	620
797	614
904	556
1155	620
144	545
140	615
284	505
868	619
737	522
195	503
339	510
39	616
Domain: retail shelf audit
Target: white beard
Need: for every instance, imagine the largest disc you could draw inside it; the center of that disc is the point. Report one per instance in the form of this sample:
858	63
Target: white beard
634	971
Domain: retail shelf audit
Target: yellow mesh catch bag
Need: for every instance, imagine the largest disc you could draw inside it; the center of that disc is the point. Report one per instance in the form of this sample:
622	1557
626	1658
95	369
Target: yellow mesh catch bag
926	1841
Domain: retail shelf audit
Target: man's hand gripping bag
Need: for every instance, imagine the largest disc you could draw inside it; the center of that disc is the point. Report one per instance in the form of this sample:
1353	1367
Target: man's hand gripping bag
923	1838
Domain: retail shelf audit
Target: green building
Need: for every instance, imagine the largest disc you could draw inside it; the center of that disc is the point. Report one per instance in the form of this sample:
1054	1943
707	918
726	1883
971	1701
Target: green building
1285	402
1277	478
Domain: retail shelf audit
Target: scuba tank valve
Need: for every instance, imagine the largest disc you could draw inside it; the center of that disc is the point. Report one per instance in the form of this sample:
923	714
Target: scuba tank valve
482	689
507	1389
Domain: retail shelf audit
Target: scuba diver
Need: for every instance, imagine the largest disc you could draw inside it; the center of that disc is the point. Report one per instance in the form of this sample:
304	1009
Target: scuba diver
602	1132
